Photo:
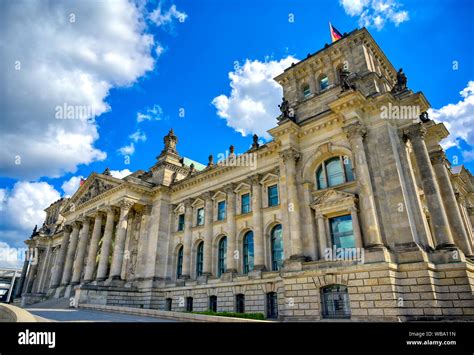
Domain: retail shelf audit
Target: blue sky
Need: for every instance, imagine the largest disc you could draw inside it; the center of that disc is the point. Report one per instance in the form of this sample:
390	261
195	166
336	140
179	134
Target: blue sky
180	59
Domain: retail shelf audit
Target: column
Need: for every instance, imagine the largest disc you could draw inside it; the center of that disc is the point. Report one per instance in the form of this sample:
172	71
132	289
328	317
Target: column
31	277
188	223
61	257
355	133
208	230
94	246
258	237
81	251
356	227
321	223
119	245
106	243
21	283
290	156
441	230
231	229
451	206
71	252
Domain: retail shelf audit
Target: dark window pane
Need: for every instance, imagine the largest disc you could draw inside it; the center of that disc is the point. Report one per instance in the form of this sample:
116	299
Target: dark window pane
306	91
181	222
248	252
221	211
348	168
179	266
323	83
272	305
277	247
240	303
321	178
213	303
335	302
272	195
189	304
199	258
168	304
222	253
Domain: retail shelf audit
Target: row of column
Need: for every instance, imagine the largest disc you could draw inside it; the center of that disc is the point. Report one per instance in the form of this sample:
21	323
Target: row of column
70	261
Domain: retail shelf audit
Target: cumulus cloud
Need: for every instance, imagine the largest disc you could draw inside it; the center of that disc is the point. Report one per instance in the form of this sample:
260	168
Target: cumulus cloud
22	207
375	13
252	106
69	55
138	136
459	119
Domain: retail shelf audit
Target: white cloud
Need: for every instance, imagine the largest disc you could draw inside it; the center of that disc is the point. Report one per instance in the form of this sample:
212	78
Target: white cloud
162	18
127	149
120	174
375	13
22	207
138	136
154	113
458	118
71	186
70	53
252	106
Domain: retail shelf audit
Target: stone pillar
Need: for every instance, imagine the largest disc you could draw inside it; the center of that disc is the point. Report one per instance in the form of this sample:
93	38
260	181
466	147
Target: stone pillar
94	246
81	251
290	157
355	133
208	230
356	227
441	230
61	257
119	244
31	277
188	222
451	206
258	237
142	243
231	229
106	243
21	283
71	252
322	238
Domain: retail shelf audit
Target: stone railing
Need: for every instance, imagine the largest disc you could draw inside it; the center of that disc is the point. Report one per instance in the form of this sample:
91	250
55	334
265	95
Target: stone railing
13	314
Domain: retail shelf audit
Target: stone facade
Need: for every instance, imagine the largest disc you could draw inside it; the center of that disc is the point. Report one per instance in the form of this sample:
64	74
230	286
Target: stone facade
354	167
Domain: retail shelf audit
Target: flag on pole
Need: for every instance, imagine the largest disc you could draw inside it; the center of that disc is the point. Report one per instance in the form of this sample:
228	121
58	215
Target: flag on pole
335	34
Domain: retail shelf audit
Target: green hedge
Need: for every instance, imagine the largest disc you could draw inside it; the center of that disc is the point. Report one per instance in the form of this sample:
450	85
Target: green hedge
258	316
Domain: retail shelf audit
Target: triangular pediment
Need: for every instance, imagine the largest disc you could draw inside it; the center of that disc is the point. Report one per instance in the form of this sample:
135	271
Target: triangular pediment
95	185
333	196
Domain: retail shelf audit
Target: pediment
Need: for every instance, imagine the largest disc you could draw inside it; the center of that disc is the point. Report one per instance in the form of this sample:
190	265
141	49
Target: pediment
94	186
332	197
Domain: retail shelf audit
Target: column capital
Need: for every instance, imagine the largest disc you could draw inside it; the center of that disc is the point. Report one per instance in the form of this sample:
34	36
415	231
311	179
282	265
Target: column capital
415	131
206	196
188	203
438	157
255	179
67	228
355	130
229	188
126	204
290	154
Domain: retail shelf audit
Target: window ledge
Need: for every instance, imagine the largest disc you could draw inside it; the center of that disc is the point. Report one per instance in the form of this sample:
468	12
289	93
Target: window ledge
342	186
244	215
271	208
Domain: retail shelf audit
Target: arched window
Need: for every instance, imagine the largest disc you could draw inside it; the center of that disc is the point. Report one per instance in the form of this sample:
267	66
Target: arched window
323	83
248	252
213	303
306	91
222	256
276	245
179	263
199	258
335	302
334	171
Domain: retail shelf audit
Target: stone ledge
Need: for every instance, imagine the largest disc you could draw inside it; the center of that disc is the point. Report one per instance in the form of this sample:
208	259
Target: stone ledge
13	314
180	316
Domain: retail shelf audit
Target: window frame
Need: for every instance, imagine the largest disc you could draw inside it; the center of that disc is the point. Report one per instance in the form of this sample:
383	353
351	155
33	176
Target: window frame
276	264
322	78
181	222
272	305
179	262
213	303
323	169
240	303
346	306
222	256
199	258
224	212
245	208
246	265
168	304
306	91
200	218
270	203
189	304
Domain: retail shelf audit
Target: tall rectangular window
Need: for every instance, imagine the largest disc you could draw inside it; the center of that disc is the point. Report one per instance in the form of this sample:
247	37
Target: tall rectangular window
272	195
221	211
200	217
342	233
245	199
181	222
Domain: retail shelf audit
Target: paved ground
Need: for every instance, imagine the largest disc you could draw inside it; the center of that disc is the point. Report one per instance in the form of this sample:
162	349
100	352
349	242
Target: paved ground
86	315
